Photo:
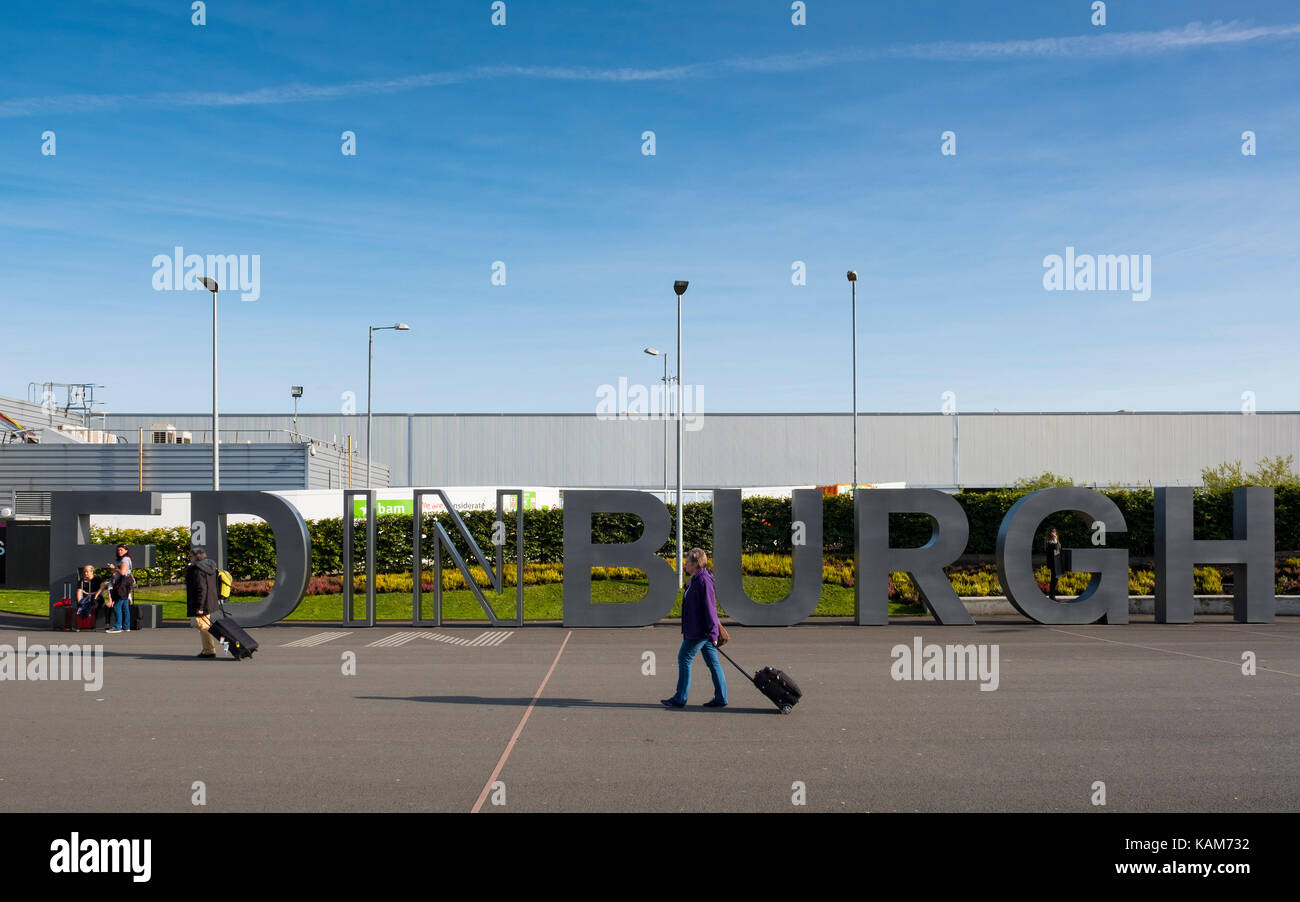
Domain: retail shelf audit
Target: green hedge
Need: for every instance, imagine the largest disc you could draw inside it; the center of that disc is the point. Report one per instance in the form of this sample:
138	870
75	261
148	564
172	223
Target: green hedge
766	529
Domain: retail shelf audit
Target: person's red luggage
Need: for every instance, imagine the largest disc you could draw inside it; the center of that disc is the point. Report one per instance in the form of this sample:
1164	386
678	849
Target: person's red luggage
61	618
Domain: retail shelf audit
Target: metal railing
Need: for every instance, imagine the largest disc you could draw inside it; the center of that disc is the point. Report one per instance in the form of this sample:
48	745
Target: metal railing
245	436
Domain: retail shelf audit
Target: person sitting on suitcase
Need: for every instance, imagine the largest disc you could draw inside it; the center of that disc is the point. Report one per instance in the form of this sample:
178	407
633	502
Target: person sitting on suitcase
201	598
700	629
88	592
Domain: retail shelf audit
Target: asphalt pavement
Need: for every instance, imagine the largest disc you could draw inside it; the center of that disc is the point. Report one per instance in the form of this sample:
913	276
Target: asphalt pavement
545	718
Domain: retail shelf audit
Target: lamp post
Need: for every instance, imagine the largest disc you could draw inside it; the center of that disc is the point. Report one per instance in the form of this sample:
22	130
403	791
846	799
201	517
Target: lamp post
679	287
370	378
295	392
663	414
212	286
853	281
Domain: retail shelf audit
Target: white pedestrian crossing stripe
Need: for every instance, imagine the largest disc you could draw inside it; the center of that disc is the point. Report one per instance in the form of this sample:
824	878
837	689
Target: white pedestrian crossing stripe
392	641
396	640
314	640
492	637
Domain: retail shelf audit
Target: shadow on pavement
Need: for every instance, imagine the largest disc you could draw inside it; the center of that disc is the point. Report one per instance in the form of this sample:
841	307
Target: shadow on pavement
559	703
159	657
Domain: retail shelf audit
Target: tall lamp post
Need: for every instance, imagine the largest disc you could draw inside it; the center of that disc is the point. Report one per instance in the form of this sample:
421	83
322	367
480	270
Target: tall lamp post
655	352
370	378
680	288
295	391
853	281
212	286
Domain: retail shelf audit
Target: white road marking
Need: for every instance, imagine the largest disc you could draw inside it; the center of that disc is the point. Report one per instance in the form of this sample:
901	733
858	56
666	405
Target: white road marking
393	641
494	637
396	640
314	640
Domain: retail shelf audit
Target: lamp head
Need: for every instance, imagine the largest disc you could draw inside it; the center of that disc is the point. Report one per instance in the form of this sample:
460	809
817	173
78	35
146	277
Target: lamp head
209	284
853	275
295	391
402	327
680	287
653	352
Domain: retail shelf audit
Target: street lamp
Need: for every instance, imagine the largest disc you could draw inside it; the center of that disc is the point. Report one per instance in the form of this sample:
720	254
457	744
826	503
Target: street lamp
655	352
853	281
680	288
370	377
212	286
295	391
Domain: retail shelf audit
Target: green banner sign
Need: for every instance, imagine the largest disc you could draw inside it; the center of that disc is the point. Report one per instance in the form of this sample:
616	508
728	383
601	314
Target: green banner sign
386	506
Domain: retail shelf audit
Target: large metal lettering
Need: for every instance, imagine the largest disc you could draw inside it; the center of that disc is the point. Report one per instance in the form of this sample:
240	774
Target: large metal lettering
292	549
1106	597
875	559
806	589
1250	551
580	555
70	547
442	542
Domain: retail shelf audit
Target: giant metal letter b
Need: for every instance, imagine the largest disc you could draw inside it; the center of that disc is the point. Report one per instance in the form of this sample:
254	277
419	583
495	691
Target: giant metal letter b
580	555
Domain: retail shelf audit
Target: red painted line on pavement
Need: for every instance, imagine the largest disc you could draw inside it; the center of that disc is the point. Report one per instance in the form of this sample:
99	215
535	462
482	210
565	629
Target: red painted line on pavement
487	787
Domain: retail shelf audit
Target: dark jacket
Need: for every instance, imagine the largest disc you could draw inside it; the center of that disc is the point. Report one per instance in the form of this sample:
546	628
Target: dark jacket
1055	559
700	609
123	584
201	588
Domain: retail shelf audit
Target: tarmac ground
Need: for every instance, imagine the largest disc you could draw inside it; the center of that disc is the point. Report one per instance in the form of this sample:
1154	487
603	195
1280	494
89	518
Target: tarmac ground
544	718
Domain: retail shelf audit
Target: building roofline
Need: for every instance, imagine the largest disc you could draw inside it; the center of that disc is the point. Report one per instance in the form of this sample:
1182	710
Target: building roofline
830	413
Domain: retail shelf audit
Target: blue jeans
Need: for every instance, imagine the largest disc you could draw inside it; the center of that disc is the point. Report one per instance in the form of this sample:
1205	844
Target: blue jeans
685	655
122	614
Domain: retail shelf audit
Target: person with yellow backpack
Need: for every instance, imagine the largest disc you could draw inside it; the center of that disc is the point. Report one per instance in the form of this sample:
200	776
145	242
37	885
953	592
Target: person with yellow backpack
203	593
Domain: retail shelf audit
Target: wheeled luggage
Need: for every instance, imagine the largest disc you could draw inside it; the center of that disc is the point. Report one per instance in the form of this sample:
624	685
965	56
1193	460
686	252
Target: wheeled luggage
237	641
63	613
775	684
61	618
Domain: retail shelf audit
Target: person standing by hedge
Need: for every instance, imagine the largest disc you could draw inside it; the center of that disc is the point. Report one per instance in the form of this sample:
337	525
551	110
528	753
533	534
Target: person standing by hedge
201	598
1055	561
122	589
700	631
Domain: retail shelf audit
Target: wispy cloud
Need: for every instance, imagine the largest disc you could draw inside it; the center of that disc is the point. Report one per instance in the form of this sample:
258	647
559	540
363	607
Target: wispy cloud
1137	43
1133	43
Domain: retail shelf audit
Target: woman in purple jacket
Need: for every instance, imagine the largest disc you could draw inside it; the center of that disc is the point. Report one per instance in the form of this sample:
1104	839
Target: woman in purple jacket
699	633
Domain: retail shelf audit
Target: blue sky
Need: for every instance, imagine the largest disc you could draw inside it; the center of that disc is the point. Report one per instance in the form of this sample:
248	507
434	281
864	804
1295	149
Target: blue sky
774	144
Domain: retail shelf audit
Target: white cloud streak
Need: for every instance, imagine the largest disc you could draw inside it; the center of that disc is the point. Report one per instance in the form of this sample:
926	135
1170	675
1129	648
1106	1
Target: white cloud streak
1101	46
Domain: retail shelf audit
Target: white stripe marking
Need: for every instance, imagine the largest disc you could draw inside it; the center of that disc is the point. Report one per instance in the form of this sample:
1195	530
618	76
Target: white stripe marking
393	641
314	640
396	640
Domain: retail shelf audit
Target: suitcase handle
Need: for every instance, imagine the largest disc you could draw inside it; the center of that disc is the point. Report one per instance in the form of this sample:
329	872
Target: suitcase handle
737	666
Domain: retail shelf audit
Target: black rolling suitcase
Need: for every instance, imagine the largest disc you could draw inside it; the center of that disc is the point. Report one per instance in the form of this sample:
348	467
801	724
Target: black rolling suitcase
240	644
775	684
